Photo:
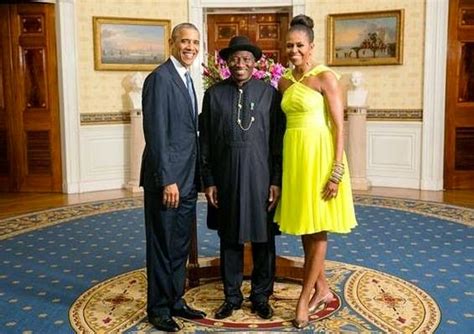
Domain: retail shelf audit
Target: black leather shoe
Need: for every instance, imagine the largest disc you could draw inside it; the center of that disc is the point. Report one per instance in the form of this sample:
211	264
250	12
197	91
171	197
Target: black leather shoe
164	323
263	310
188	313
226	310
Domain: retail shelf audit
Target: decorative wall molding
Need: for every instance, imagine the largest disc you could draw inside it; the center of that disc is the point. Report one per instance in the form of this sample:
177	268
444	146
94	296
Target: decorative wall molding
397	115
414	115
122	117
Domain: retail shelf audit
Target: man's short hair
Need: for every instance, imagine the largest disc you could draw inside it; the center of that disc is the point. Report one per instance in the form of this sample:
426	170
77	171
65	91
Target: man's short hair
177	29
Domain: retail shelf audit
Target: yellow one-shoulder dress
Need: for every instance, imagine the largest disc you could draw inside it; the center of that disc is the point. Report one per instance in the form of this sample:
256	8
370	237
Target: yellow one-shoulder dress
308	156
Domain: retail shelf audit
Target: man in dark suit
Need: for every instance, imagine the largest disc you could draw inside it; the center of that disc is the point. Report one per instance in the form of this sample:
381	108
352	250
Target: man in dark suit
169	176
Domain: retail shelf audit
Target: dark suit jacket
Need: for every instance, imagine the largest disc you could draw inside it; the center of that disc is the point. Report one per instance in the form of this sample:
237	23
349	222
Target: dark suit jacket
170	129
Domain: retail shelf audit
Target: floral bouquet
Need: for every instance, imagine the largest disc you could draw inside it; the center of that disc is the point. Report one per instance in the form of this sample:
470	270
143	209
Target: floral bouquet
266	69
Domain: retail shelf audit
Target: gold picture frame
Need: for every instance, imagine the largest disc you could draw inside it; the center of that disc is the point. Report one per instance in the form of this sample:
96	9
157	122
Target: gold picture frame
130	44
366	38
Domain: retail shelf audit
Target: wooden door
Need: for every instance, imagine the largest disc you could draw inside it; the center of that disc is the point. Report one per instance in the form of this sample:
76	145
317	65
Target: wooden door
30	149
267	30
459	142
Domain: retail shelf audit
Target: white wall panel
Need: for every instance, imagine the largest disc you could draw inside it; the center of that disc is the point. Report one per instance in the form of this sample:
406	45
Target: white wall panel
393	154
104	157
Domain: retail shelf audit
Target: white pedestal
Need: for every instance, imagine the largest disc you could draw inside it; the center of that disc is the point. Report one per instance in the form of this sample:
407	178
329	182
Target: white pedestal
137	144
357	147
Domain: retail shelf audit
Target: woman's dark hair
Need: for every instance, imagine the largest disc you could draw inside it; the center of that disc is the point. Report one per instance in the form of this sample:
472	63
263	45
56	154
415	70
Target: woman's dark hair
303	23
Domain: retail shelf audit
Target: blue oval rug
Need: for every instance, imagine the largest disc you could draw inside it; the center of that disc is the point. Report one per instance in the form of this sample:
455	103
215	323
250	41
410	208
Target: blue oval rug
406	268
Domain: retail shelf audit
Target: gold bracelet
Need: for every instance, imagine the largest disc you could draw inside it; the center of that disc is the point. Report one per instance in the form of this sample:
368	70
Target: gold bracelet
337	172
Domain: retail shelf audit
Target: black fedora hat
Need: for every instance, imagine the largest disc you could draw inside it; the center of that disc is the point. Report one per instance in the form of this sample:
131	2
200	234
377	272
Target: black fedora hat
240	43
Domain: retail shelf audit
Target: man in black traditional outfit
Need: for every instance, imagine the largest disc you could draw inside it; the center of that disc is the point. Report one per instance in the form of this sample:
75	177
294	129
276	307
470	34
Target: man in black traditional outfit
241	131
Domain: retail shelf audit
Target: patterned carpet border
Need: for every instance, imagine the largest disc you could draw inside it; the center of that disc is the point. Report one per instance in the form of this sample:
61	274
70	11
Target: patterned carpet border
372	301
449	212
13	226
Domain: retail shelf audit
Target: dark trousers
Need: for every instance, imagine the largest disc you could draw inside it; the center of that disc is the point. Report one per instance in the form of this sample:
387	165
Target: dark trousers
168	237
263	272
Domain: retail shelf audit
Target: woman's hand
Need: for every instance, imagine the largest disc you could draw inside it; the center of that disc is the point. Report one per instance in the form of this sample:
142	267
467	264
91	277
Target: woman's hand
330	190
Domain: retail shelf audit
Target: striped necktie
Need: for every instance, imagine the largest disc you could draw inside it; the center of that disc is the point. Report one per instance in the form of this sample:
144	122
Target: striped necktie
189	85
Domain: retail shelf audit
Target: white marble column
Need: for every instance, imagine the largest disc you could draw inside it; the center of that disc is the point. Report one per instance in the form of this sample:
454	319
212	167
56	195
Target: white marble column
357	147
434	94
137	144
67	43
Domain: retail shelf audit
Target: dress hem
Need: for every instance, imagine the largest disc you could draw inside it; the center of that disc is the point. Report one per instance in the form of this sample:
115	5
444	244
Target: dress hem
316	231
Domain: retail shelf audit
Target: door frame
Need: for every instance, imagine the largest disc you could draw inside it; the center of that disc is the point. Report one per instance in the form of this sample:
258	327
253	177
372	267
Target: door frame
433	92
68	94
197	10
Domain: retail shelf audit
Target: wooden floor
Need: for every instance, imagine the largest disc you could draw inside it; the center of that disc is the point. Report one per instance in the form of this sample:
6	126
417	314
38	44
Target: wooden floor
12	204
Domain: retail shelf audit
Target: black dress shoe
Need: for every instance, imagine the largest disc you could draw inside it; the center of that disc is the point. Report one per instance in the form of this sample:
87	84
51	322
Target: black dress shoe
188	313
164	323
226	310
263	310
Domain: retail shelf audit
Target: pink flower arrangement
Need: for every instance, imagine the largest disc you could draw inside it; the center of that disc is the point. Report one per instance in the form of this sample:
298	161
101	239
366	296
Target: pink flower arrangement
266	69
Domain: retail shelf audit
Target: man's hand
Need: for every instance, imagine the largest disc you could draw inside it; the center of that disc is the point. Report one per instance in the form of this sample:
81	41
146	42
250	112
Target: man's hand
171	196
211	195
273	197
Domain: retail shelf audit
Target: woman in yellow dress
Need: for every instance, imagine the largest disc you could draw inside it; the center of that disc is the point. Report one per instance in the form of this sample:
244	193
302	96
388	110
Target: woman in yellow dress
316	192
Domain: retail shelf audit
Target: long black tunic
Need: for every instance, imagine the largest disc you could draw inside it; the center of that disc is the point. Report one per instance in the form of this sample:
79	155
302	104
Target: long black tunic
242	161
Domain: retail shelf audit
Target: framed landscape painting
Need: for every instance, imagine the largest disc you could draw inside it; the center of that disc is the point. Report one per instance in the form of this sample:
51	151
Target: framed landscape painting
130	44
368	38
